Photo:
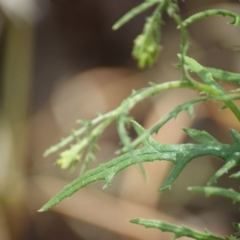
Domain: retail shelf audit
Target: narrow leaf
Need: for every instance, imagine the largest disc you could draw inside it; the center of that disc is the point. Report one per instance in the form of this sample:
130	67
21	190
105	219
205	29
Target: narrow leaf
225	168
235	175
235	135
201	136
179	231
228	193
182	160
140	131
132	13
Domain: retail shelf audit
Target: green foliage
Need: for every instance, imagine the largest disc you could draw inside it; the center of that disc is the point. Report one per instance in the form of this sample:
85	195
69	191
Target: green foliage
179	154
228	193
83	142
179	231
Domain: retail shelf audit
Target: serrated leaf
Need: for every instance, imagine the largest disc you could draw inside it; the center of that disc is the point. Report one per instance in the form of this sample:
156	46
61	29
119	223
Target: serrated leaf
179	154
208	191
178	231
201	136
231	162
182	160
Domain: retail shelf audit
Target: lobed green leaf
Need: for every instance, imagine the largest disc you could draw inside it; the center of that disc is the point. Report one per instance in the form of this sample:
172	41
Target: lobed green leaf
179	154
178	231
208	191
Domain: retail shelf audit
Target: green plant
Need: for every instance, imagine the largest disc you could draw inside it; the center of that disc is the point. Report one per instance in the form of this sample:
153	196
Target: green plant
146	50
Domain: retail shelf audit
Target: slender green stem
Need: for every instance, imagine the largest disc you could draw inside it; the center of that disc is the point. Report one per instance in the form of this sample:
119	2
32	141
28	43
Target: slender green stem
134	12
209	13
184	46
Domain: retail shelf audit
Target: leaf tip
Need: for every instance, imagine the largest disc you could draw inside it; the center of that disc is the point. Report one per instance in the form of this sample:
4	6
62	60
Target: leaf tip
46	153
41	210
165	188
115	27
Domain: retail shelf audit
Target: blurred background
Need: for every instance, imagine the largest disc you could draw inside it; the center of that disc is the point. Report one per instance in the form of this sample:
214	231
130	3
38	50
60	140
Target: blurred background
60	61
